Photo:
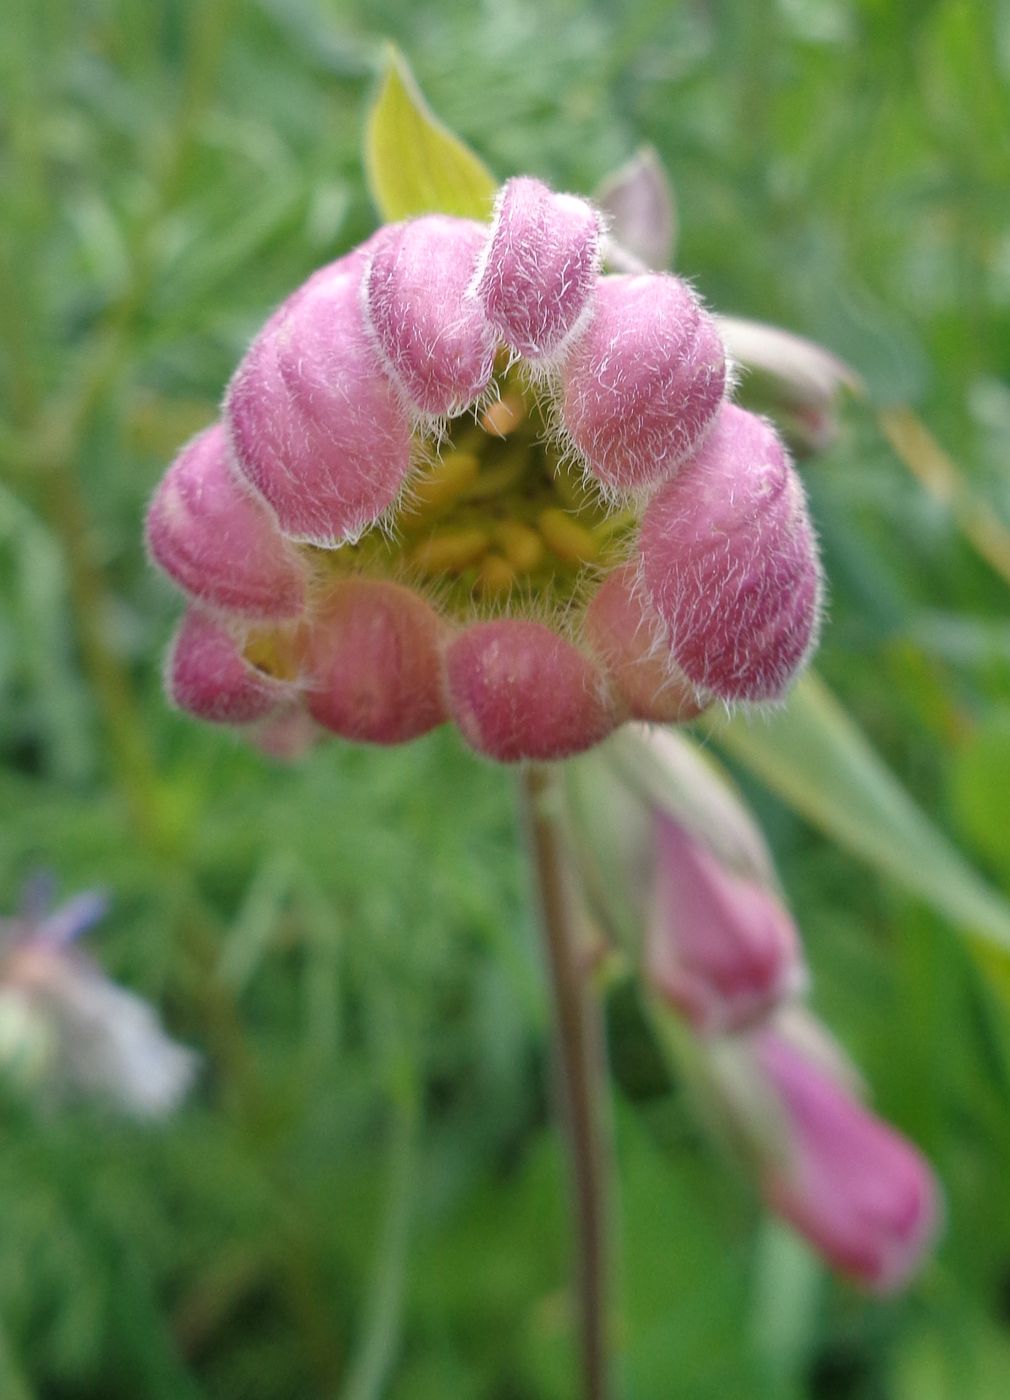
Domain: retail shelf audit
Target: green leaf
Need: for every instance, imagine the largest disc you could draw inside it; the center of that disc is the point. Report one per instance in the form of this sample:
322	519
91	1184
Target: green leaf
415	165
813	755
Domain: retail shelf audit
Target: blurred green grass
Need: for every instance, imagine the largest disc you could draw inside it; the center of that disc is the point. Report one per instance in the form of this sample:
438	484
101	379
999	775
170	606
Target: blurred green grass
348	941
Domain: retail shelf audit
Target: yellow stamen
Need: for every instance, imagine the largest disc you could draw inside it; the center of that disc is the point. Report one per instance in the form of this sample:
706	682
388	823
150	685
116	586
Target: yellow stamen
448	479
504	415
523	547
452	551
568	539
496	575
496	480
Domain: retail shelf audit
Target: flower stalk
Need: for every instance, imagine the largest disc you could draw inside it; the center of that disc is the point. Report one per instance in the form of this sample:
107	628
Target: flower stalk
578	1049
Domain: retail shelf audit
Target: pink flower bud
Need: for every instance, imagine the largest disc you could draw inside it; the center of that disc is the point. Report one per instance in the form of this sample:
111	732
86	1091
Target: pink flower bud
315	424
287	733
730	563
626	635
208	675
536	275
433	339
720	948
858	1191
217	540
375	662
640	209
642	386
518	690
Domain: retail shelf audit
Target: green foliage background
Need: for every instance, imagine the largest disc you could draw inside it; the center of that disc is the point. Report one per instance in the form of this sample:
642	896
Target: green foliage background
364	1197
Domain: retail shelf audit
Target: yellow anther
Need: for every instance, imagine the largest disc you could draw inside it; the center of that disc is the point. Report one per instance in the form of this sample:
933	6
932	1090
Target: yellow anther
439	487
497	480
567	539
504	415
451	551
274	651
496	575
521	544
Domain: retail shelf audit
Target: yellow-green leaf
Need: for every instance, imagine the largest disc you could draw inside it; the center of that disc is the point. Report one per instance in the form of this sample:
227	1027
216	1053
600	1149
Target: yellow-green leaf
814	756
414	163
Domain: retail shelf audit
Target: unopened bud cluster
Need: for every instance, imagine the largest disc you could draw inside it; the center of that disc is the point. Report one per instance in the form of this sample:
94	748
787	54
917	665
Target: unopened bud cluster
462	475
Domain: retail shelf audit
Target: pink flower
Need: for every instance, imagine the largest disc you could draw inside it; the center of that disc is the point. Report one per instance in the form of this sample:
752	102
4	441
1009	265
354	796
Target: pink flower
720	947
465	476
862	1195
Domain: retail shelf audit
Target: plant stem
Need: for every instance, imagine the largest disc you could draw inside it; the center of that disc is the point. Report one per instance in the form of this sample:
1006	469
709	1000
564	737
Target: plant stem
578	1052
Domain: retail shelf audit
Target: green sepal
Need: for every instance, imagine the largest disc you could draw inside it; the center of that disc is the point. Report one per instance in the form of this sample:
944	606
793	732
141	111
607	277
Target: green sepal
414	163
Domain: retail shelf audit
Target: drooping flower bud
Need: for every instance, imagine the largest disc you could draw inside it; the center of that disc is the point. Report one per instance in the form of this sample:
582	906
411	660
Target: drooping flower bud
519	690
855	1188
432	337
720	948
677	872
375	663
316	425
730	563
537	271
208	675
217	540
643	384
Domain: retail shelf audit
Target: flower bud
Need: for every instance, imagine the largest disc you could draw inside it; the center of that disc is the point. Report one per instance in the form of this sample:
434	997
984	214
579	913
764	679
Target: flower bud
642	386
208	675
721	949
730	563
518	690
535	278
375	663
625	634
798	382
217	540
316	426
640	209
858	1191
434	340
287	733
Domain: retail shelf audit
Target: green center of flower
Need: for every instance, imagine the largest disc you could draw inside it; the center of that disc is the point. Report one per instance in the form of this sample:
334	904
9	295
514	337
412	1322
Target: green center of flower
496	520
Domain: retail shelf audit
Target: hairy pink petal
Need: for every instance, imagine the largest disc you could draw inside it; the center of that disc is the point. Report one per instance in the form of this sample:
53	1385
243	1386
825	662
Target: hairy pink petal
643	384
720	948
375	663
217	540
315	423
433	338
861	1193
518	690
208	675
536	276
627	636
730	563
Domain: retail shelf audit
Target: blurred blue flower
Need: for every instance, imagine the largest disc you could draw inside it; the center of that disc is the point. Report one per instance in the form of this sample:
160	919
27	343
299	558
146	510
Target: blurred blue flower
66	1028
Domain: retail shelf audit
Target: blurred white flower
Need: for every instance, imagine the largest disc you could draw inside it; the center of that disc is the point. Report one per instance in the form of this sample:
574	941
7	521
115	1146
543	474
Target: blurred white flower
65	1027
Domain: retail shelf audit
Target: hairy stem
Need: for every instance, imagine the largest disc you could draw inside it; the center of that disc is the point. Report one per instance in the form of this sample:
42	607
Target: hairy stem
578	1052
